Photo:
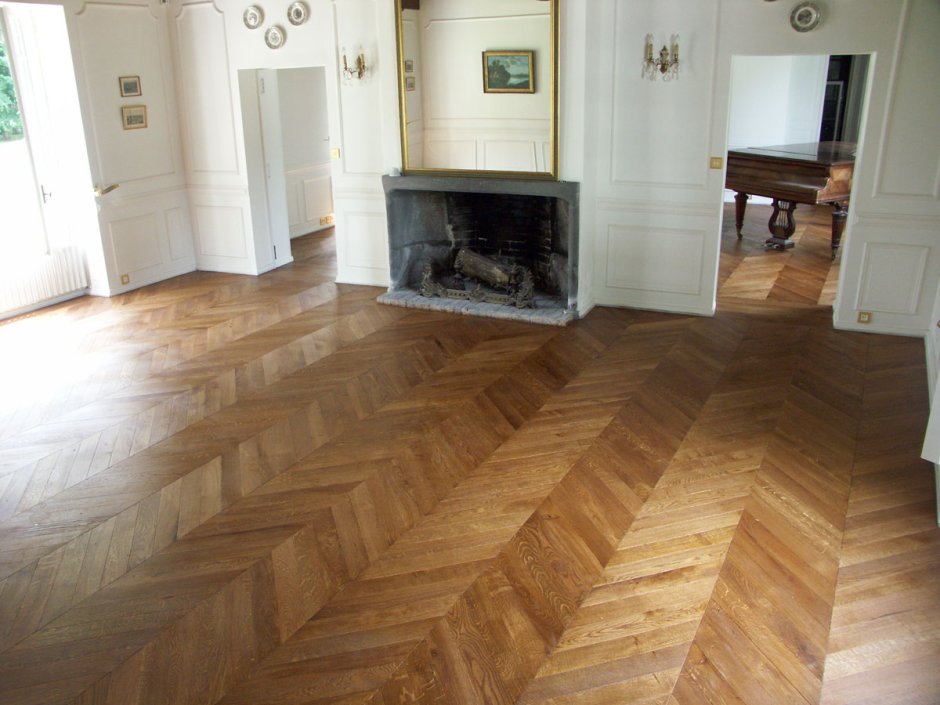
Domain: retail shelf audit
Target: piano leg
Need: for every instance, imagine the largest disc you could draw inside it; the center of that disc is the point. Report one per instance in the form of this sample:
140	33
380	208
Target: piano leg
781	225
740	204
839	216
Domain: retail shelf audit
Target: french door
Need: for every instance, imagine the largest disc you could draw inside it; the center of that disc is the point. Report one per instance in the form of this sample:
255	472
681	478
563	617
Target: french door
39	263
22	223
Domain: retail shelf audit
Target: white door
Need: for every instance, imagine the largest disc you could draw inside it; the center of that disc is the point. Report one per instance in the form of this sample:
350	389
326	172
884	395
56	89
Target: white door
40	258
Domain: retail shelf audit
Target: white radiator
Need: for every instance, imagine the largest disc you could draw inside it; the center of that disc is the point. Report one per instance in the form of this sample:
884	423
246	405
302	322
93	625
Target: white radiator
41	279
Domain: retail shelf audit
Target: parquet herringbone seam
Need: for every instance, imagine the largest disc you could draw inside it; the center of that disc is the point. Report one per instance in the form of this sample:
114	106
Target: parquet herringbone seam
885	563
322	372
672	553
801	276
137	404
884	626
779	635
122	344
124	671
460	507
157	521
117	344
567	499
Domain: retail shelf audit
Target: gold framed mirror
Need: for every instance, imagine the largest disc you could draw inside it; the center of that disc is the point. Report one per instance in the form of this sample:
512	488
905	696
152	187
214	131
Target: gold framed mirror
478	84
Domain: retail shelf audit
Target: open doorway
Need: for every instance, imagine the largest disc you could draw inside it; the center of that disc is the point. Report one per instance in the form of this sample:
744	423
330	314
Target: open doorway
44	182
787	101
287	148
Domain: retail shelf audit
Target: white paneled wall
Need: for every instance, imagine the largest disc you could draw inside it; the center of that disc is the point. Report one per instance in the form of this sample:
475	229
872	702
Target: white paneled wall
367	117
237	219
211	142
309	197
651	208
892	262
145	223
656	216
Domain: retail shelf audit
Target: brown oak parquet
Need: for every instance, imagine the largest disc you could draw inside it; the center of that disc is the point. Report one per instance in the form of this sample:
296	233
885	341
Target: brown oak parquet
275	490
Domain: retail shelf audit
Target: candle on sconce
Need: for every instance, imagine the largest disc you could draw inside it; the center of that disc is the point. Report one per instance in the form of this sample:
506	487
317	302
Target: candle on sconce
675	48
649	47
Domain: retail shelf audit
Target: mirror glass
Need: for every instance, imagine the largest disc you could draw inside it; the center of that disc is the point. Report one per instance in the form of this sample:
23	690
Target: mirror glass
478	86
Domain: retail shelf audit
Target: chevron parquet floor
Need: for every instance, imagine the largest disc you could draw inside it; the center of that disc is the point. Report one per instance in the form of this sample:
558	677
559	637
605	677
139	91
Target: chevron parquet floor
275	491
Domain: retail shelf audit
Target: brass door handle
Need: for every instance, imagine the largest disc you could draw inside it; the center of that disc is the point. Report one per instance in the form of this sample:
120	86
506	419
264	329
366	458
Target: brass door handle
102	190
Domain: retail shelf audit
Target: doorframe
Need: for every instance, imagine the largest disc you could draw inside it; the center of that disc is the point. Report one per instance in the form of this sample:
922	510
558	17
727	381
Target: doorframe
264	158
862	129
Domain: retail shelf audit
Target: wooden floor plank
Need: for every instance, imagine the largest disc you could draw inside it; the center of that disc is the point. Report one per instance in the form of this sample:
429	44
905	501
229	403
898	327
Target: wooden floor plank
275	490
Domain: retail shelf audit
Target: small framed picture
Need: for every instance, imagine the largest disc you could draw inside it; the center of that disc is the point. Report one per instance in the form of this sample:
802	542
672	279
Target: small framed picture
409	66
134	117
509	72
130	86
410	83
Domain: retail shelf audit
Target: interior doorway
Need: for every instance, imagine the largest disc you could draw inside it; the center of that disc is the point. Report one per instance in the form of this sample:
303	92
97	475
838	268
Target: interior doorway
287	148
787	100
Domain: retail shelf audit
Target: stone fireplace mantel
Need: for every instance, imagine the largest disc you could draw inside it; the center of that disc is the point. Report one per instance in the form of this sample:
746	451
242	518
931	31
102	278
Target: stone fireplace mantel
529	222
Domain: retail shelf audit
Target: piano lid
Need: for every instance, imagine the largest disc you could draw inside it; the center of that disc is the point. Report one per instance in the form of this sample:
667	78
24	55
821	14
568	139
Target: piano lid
814	152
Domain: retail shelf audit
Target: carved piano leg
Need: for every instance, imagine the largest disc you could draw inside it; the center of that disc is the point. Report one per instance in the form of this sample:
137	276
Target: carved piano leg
740	204
781	225
839	216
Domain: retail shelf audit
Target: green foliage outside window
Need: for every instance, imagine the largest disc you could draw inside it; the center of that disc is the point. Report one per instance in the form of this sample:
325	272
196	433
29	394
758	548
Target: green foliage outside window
11	122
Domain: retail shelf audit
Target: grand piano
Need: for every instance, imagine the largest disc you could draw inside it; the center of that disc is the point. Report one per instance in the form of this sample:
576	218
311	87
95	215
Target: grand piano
815	172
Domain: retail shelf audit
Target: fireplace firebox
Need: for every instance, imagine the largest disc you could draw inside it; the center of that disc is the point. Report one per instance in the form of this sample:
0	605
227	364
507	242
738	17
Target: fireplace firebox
519	234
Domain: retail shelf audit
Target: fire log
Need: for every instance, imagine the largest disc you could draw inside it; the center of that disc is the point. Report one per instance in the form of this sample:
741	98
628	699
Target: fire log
477	266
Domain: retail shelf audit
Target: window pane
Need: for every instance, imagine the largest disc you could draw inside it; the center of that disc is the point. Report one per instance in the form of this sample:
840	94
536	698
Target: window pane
11	122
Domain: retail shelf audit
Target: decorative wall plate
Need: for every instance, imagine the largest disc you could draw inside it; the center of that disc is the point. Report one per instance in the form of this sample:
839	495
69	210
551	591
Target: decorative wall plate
805	17
274	36
253	17
297	12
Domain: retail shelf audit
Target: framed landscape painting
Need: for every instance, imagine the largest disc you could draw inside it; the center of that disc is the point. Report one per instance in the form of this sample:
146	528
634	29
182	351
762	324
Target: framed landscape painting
134	117
509	72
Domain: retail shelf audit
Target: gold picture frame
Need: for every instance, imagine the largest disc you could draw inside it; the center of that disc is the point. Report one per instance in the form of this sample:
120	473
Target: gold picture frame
130	86
134	117
509	72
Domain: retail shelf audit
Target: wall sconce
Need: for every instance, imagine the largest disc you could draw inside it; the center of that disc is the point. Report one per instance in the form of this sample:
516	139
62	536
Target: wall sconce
354	67
666	65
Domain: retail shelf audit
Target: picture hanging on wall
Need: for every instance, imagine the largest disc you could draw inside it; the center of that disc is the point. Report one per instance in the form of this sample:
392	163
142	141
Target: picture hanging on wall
134	117
130	86
410	83
409	66
508	72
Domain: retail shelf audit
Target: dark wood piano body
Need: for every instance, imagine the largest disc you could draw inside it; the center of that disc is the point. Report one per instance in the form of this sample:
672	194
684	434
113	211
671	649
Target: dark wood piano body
815	172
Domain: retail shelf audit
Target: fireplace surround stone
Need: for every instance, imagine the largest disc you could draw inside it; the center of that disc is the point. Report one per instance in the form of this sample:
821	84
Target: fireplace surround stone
529	222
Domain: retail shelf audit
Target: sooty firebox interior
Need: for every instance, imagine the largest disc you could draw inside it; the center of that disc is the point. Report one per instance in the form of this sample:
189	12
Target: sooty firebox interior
517	234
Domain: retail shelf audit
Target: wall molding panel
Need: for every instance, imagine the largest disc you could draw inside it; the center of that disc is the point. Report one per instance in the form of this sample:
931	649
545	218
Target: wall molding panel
209	135
671	264
362	256
892	276
659	127
906	151
133	158
309	197
149	239
652	256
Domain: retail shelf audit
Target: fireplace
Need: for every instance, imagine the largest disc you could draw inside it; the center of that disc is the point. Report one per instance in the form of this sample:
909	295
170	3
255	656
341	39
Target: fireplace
515	225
